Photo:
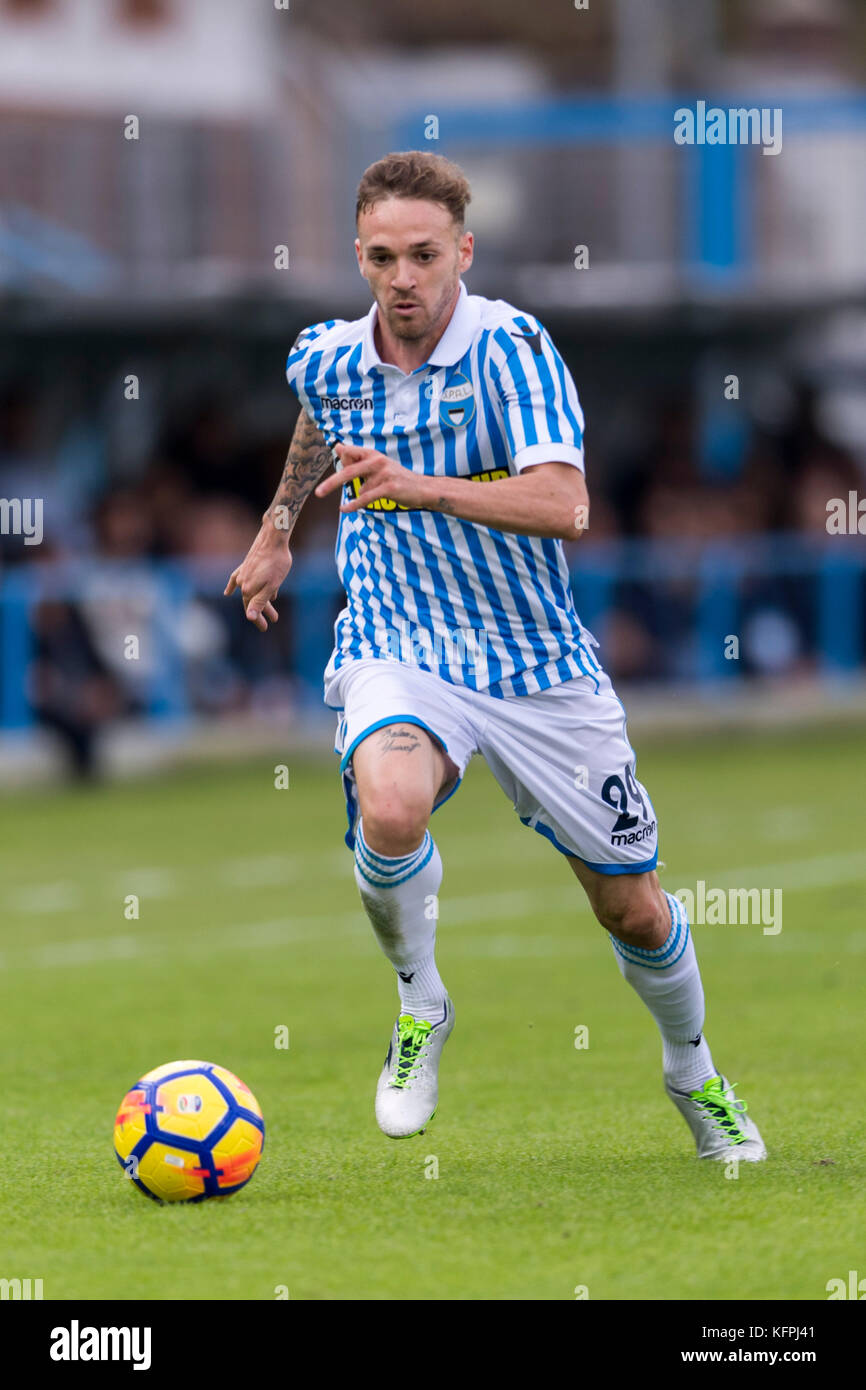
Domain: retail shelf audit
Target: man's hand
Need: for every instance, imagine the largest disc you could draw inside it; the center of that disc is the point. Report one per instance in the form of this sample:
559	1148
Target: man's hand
545	499
267	563
269	558
382	478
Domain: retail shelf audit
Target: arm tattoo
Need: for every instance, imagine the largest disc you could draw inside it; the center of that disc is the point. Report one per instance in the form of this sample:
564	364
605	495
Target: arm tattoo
309	458
393	740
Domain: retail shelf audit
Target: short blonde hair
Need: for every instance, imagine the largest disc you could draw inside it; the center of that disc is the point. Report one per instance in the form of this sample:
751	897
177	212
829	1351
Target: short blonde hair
415	174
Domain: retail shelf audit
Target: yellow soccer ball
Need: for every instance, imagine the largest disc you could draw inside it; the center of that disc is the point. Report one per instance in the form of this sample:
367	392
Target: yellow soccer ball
188	1131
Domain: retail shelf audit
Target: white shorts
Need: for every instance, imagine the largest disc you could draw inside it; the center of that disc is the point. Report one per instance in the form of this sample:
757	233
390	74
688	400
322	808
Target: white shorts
562	755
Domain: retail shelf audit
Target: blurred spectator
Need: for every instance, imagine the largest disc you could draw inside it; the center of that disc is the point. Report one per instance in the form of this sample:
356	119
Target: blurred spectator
826	474
124	525
205	449
71	690
198	501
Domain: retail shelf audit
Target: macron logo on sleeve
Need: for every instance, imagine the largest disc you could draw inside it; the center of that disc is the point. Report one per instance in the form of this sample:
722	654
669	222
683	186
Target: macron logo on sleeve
533	339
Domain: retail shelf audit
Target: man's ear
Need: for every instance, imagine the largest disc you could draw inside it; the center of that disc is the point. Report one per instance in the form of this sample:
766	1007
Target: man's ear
359	255
466	250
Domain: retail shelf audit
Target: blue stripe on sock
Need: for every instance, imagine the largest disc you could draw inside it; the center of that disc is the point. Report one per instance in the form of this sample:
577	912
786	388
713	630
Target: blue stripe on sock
384	861
387	863
392	882
390	868
669	952
404	867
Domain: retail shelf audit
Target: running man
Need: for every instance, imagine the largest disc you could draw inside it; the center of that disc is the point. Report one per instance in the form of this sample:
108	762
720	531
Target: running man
457	435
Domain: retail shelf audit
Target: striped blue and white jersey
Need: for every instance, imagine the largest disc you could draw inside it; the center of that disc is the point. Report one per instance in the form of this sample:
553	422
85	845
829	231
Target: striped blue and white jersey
479	607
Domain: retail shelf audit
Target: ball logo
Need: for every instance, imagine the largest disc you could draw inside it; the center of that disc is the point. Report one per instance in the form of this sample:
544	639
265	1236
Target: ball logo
457	402
189	1105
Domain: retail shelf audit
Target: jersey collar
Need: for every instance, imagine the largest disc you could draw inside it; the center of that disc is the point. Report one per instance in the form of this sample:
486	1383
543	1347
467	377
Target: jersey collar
454	343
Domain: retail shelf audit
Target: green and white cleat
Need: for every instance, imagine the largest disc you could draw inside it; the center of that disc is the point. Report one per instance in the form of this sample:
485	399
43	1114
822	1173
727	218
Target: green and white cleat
408	1087
718	1120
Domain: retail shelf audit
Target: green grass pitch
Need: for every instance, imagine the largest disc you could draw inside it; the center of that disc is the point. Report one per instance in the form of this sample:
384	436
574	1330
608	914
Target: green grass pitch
558	1167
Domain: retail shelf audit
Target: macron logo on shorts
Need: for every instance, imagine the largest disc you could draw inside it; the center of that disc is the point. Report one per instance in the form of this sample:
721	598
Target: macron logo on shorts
634	837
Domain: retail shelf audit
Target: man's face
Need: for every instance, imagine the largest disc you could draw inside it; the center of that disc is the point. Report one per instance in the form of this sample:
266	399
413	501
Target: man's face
412	253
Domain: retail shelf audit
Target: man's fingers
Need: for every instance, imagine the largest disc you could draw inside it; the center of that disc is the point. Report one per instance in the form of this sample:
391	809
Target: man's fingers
335	480
372	491
258	606
357	462
347	472
363	499
352	451
328	485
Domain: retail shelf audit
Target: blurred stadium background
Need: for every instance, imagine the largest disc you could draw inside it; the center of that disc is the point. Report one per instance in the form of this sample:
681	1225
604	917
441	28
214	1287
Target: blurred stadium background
156	258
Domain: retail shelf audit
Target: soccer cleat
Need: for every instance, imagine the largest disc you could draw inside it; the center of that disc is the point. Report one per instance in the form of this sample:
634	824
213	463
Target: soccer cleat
718	1120
408	1087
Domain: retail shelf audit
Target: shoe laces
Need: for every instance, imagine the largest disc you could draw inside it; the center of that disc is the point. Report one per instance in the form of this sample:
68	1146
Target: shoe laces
724	1111
413	1039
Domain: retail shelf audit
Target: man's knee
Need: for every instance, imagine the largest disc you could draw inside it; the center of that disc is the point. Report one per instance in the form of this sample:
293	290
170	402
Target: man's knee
398	770
394	821
639	918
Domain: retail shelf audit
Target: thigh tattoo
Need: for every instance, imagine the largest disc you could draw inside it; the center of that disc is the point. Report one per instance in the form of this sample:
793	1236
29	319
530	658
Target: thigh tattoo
398	740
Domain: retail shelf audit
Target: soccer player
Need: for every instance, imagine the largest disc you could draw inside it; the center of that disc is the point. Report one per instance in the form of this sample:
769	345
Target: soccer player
457	435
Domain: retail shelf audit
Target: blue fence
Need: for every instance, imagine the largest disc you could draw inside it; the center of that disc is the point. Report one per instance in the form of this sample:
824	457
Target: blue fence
715	182
690	600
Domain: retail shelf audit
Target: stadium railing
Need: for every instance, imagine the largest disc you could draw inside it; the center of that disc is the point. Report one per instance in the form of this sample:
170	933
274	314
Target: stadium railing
701	222
691	600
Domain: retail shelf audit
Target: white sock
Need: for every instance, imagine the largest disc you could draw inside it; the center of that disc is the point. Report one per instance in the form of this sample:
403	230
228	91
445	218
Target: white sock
669	983
400	898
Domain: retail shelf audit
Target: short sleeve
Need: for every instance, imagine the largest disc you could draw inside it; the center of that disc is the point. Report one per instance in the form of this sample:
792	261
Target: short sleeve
303	359
540	407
